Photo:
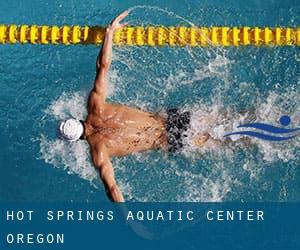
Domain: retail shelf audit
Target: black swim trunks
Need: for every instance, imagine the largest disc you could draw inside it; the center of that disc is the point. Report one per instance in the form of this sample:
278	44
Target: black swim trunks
177	125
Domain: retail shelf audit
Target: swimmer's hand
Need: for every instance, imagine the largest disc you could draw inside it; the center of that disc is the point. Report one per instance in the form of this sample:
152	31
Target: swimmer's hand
115	24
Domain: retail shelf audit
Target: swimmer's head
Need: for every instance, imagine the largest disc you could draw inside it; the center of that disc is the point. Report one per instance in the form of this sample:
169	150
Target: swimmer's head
70	130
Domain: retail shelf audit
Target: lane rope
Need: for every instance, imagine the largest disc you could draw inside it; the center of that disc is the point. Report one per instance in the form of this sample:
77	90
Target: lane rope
152	35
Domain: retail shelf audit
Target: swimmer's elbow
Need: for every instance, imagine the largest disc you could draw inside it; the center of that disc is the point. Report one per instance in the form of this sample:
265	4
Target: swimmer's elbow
105	63
99	163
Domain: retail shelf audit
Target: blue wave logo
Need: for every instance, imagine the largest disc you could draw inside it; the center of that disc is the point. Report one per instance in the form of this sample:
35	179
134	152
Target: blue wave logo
279	133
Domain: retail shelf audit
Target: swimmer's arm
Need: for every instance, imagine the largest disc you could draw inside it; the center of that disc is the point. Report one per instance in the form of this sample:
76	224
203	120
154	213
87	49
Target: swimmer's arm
105	56
103	164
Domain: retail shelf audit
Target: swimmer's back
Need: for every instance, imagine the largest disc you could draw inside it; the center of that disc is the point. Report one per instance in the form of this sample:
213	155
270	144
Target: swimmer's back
126	130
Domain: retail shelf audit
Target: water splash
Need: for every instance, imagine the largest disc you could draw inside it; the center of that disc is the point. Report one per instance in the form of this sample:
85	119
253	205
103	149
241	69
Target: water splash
74	158
192	185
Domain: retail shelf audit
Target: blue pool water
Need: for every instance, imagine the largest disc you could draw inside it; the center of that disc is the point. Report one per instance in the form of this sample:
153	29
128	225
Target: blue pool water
42	84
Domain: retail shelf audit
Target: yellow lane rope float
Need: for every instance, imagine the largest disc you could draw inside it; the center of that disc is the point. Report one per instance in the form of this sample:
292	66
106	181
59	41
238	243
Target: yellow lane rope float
152	36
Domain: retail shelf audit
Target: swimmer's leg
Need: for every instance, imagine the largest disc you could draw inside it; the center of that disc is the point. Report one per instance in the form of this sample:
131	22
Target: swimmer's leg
200	140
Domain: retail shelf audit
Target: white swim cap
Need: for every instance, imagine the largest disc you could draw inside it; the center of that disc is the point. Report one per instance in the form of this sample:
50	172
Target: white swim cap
70	130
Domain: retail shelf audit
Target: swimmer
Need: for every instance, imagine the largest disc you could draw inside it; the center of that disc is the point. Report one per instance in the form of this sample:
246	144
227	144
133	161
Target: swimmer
114	130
